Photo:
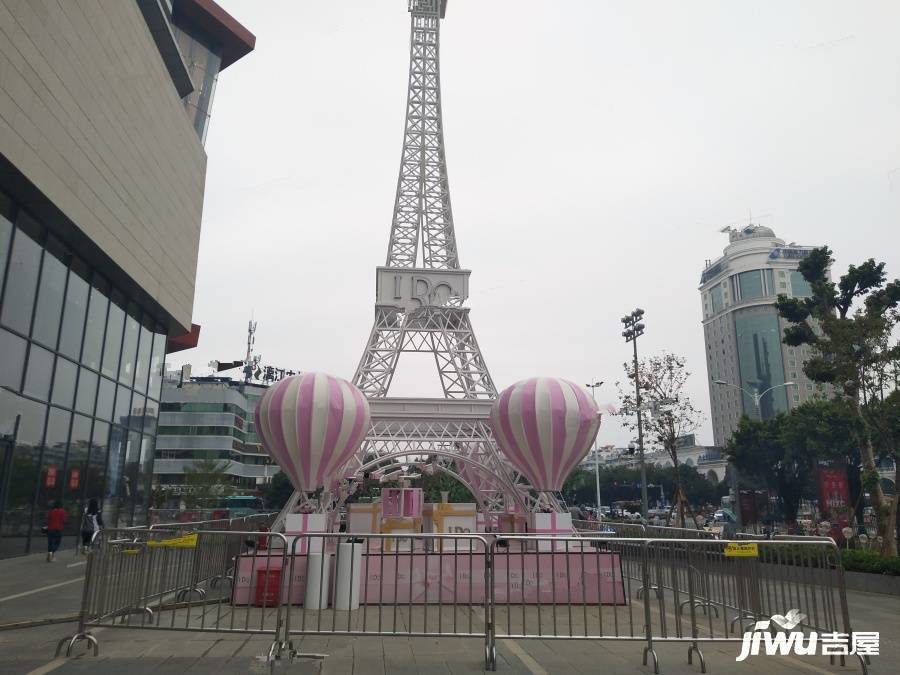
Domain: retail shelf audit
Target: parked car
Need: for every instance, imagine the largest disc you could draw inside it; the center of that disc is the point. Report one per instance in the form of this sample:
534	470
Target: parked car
723	516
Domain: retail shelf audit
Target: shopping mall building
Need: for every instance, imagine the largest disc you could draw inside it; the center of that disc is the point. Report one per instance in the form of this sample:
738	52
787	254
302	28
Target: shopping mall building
104	108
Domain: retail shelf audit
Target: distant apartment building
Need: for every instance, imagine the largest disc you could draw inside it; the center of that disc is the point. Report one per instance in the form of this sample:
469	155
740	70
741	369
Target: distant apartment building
709	461
743	333
104	106
209	418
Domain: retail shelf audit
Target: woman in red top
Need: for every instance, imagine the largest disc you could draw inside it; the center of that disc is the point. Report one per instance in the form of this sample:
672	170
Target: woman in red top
56	520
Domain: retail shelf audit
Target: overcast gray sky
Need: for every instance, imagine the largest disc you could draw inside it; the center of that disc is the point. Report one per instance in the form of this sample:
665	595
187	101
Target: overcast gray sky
595	148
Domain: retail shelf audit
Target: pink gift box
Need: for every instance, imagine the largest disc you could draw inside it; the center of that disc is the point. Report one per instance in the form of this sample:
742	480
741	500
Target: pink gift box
401	503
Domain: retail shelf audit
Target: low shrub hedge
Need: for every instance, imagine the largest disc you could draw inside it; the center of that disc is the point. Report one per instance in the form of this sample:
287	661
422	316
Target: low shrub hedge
855	560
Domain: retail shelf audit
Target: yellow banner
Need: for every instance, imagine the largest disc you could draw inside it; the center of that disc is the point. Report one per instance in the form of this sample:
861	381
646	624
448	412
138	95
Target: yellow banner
187	541
733	550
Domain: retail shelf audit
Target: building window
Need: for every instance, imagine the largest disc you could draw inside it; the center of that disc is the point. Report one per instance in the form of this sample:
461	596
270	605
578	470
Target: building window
115	327
716	300
95	328
750	285
77	291
58	334
129	346
50	295
13	362
800	287
176	406
21	278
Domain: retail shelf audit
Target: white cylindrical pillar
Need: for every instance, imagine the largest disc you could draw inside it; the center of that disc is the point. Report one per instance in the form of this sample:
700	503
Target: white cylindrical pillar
318	574
348	576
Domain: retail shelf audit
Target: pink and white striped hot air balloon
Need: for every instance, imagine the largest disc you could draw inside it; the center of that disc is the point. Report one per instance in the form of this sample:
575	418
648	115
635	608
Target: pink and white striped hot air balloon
545	426
311	424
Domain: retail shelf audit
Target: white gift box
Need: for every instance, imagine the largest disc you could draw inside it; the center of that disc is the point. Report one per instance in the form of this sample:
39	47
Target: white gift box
443	518
296	524
550	524
364	518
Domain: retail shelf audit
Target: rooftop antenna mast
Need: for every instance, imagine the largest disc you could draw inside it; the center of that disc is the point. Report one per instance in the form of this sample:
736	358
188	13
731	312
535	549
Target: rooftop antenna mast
251	340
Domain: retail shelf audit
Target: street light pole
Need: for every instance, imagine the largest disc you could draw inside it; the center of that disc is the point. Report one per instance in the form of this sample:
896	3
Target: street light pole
756	396
593	388
633	330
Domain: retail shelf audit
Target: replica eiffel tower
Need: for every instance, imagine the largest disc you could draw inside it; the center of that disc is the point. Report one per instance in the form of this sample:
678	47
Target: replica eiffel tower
420	307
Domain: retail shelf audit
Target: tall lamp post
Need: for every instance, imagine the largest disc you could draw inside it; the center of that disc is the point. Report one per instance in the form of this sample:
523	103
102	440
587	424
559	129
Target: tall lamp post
756	397
633	330
593	388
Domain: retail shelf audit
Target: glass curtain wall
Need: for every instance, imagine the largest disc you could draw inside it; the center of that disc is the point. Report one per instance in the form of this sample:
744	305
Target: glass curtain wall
204	60
79	388
760	360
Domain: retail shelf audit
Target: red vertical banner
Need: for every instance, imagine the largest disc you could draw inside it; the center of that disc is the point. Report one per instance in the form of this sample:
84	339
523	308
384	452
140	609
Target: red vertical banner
747	505
834	498
74	478
50	478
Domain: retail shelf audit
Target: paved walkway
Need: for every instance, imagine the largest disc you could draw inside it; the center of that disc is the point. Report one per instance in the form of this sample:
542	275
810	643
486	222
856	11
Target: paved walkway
33	589
136	653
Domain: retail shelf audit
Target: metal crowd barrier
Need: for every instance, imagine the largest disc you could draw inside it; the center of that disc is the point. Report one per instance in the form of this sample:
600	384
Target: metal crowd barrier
667	532
701	594
610	528
416	585
564	587
169	580
238	523
639	530
577	587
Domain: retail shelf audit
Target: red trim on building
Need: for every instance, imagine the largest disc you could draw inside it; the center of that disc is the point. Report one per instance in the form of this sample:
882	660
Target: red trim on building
178	343
235	39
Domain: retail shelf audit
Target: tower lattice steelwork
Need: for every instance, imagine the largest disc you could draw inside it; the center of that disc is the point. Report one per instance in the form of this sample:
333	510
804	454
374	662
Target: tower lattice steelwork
419	307
419	301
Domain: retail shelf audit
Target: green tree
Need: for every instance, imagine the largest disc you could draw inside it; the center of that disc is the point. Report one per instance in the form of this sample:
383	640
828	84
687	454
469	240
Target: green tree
672	414
622	484
579	488
782	453
883	415
206	480
433	485
278	491
848	326
828	430
758	449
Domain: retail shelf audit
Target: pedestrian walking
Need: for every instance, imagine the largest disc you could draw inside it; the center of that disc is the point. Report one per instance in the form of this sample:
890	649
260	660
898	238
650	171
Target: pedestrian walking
56	520
91	522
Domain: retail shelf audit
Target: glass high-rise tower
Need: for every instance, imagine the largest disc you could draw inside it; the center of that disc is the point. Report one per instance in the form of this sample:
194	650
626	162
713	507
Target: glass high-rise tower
743	332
